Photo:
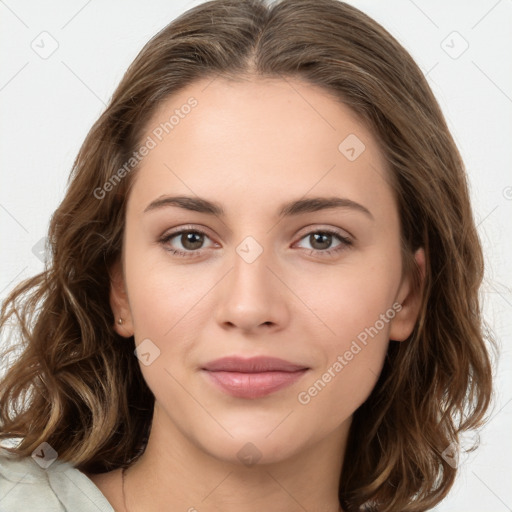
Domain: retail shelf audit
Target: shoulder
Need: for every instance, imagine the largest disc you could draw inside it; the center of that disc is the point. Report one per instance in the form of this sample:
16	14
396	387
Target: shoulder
25	485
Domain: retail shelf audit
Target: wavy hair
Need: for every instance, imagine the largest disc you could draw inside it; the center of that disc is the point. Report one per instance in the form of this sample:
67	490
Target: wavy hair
77	385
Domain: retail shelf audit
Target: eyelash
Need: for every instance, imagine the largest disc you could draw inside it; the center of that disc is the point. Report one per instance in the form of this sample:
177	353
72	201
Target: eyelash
345	242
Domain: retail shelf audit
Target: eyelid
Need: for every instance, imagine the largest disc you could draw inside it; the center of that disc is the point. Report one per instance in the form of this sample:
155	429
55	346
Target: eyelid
186	228
313	228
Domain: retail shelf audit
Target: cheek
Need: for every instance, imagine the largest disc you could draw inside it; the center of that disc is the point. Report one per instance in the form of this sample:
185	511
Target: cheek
355	306
164	304
352	357
350	299
161	293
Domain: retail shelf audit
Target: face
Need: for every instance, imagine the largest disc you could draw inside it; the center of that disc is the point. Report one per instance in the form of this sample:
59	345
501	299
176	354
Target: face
269	273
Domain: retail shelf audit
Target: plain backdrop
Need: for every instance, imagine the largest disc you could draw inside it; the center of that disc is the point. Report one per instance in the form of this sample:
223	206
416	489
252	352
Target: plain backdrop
48	103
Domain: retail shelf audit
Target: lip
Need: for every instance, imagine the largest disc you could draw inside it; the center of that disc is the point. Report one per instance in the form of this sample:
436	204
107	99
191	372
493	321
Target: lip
256	364
254	377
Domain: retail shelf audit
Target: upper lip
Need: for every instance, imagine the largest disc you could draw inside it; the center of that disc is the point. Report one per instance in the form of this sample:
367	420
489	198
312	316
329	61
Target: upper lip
252	365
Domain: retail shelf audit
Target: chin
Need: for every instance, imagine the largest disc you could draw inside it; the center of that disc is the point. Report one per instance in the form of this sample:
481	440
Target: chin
251	445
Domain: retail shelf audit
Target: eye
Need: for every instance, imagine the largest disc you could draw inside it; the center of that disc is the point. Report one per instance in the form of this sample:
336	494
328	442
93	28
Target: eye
321	242
189	242
186	242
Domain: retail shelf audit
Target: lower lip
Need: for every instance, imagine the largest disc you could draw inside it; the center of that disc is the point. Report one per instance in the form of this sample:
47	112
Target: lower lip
253	385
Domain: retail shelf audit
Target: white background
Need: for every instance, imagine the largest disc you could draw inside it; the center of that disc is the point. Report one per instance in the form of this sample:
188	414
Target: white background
48	105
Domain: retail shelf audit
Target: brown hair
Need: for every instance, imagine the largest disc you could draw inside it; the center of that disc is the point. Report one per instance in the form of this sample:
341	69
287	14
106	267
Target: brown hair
77	384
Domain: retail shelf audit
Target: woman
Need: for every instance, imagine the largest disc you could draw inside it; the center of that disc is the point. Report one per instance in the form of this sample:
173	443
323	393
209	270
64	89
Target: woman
263	286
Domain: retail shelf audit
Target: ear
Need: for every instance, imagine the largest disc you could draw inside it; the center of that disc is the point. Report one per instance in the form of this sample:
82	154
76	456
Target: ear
409	296
119	301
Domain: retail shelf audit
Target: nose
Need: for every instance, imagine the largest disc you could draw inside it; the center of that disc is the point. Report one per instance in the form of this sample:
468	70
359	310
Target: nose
252	297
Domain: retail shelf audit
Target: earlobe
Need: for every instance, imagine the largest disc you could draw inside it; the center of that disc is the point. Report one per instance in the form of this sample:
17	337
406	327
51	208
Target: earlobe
409	296
123	324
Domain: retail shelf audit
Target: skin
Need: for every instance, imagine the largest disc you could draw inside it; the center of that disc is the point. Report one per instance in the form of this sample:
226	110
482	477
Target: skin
252	145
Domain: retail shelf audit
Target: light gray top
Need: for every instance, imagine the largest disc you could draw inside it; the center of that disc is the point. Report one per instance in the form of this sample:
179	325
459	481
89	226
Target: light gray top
27	486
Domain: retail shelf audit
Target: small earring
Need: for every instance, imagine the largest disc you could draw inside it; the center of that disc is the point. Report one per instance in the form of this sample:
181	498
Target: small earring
120	321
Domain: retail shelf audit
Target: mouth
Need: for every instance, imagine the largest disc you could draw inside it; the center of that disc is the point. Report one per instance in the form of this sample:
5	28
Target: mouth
252	378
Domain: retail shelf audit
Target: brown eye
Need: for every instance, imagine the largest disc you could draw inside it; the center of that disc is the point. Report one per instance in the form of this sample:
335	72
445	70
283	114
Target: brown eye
191	240
326	242
320	241
187	242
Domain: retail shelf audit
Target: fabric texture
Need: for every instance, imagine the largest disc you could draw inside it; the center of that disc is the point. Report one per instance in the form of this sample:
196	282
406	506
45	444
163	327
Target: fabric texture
27	486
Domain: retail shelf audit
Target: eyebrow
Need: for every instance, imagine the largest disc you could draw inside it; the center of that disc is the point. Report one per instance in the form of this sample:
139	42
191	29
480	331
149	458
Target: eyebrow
289	209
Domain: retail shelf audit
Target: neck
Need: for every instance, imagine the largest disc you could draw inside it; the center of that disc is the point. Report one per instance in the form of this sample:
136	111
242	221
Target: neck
180	476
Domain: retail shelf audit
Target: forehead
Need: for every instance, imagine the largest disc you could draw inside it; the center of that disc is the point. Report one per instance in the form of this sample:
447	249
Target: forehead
266	136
